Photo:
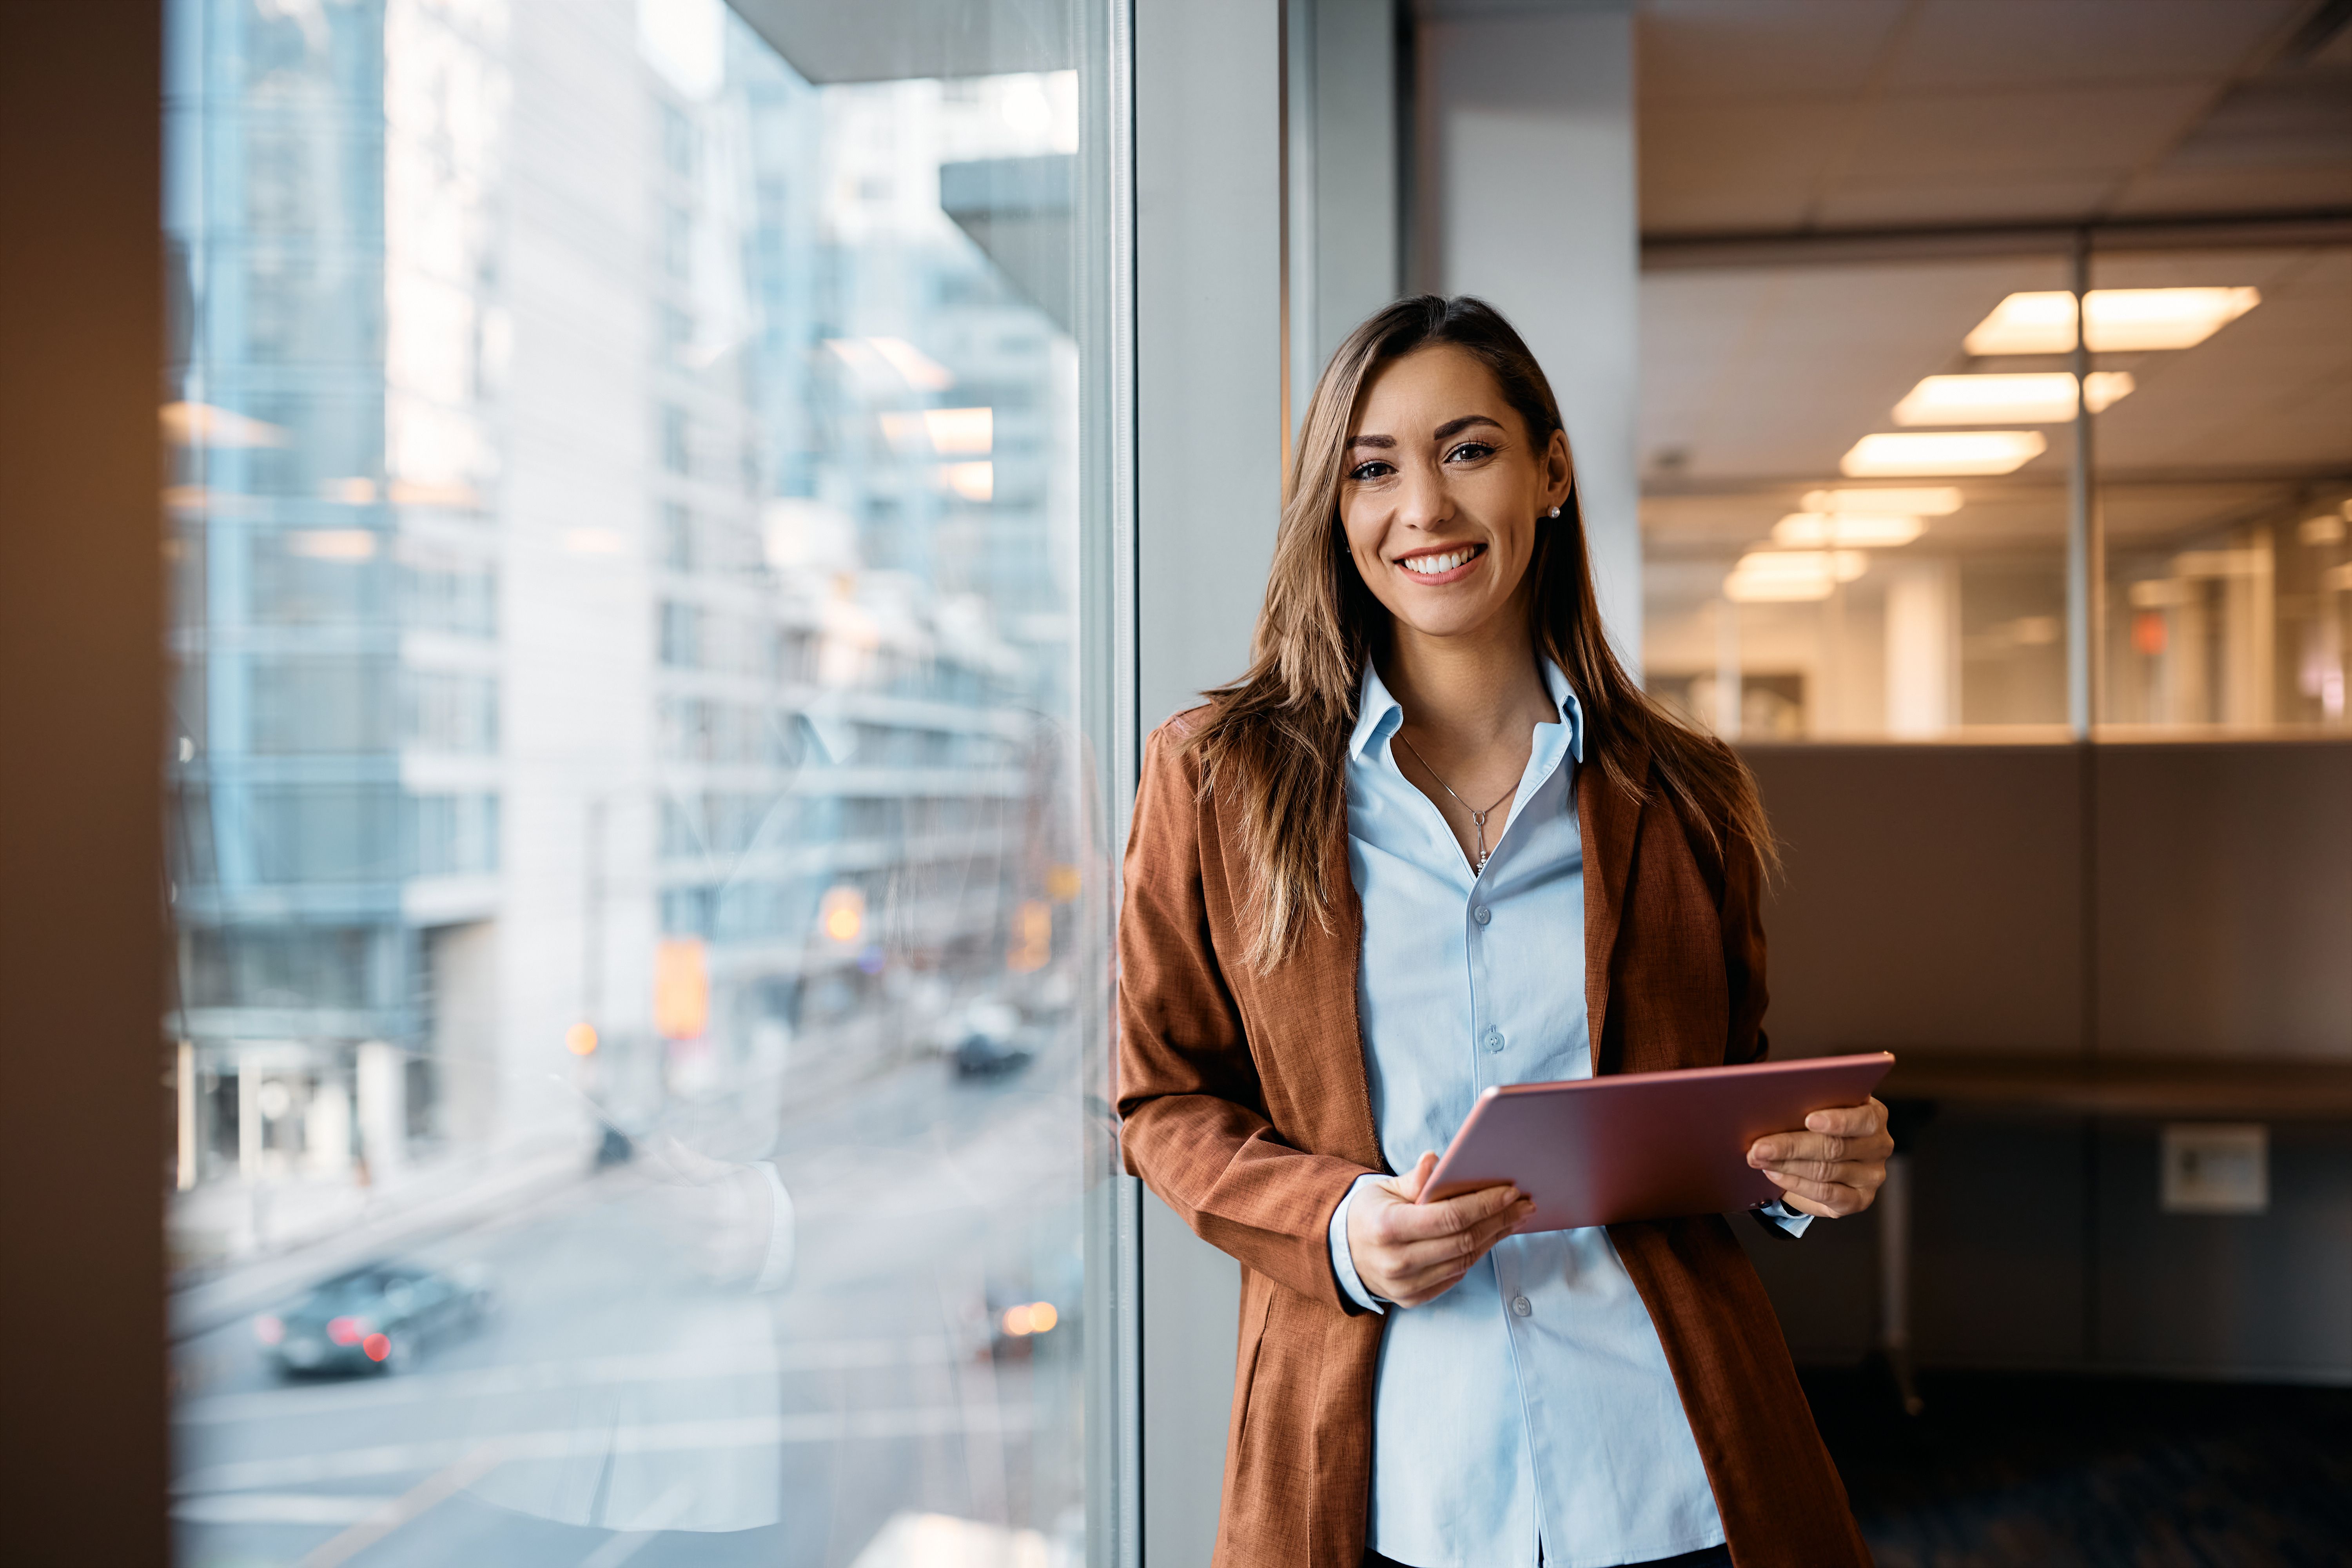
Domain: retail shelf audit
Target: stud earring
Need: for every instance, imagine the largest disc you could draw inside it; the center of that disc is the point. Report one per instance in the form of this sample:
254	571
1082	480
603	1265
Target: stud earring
1553	512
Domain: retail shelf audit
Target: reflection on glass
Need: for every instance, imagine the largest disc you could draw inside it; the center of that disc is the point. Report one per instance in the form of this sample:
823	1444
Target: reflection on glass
1836	546
2223	489
634	916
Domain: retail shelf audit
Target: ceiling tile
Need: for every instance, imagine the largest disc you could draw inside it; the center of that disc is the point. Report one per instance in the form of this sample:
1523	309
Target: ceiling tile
2035	133
1738	165
1777	372
2281	120
1965	43
2057	198
2273	387
2190	192
1717	50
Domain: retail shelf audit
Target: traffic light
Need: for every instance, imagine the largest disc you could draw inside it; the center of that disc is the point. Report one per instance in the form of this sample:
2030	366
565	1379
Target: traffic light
681	988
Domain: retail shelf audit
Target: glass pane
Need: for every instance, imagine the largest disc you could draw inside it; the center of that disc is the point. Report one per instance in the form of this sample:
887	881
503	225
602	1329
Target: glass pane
637	867
1853	512
2223	489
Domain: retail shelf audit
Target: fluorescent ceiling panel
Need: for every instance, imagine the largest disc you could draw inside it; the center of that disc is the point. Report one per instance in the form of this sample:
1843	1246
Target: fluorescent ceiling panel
202	425
1927	500
1852	530
1768	576
1903	454
961	430
2041	397
2123	321
973	481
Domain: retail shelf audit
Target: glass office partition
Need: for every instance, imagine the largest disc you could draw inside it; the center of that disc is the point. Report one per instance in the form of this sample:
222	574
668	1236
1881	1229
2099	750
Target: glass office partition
2225	489
1855	499
638	864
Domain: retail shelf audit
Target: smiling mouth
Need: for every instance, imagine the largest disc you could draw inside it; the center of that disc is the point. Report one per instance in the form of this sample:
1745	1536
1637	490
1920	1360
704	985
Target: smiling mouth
1441	563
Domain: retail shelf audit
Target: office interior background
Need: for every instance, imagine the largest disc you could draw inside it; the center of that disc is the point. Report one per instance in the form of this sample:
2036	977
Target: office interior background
582	587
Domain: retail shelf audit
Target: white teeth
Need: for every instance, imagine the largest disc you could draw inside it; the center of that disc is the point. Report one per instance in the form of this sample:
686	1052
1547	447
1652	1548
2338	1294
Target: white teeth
1431	565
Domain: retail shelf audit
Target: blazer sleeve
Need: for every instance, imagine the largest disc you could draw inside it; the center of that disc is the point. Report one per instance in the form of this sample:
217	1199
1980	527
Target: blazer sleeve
1742	907
1193	1123
1743	950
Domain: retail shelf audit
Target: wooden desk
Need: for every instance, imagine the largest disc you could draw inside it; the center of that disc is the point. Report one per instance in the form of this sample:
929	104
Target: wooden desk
2147	1088
2126	1088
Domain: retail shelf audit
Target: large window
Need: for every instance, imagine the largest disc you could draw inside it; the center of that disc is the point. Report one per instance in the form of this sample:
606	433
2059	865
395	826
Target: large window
636	852
1861	507
1830	553
2225	490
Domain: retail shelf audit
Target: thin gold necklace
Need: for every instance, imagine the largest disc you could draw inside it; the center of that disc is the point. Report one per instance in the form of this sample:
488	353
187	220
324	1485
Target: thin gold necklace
1477	817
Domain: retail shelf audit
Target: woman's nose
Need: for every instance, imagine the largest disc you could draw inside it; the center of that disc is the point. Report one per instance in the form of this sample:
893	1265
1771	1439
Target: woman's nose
1421	500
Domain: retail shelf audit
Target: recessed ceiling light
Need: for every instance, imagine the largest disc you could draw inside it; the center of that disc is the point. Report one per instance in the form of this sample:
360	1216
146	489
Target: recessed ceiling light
1765	576
961	429
2041	397
1853	530
202	425
332	543
1891	454
2123	321
973	481
1928	500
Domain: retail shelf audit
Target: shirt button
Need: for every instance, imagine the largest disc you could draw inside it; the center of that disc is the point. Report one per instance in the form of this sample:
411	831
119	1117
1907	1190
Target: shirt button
1482	914
1494	1039
1522	1306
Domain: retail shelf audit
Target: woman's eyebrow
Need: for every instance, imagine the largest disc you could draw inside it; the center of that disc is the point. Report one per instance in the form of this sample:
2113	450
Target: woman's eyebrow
1382	442
1455	426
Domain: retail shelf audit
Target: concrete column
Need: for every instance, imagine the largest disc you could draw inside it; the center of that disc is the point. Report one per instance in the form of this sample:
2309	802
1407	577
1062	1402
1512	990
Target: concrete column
1358	199
248	1117
1526	199
382	1076
1209	444
327	1128
1922	651
1340	178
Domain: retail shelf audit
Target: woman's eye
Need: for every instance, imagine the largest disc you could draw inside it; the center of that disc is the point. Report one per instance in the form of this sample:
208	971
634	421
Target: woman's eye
1363	473
1469	451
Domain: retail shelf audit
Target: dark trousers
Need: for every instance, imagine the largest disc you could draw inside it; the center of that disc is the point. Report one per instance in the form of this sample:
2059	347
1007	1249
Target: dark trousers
1709	1557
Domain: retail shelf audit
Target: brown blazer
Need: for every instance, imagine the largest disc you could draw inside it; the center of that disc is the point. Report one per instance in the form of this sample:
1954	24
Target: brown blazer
1248	1110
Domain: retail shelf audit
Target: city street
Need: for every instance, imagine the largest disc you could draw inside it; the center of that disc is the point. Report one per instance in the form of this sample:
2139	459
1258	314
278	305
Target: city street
616	1408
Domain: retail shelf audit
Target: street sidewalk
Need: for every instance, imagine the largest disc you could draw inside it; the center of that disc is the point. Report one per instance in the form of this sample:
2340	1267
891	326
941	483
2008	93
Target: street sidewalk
430	1202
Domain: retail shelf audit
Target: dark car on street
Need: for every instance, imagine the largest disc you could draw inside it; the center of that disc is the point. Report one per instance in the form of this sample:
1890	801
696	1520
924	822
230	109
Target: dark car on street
374	1319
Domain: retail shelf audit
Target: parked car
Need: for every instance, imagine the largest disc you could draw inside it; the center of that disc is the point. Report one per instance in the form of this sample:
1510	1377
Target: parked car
989	1039
374	1319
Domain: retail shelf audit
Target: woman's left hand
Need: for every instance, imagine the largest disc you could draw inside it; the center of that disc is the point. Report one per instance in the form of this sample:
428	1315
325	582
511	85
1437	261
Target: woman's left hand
1834	1166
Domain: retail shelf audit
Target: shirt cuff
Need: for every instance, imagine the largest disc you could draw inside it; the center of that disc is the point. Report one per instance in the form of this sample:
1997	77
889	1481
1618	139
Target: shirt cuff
1793	1221
1343	1262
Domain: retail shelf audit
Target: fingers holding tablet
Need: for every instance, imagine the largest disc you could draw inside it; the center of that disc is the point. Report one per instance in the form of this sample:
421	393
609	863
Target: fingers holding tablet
1410	1252
1834	1165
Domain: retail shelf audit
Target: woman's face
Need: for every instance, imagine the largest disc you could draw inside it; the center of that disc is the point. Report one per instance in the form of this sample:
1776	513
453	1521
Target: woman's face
1443	493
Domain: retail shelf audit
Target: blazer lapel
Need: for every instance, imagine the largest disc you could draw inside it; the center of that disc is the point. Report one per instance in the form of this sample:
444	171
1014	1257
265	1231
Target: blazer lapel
1311	997
1335	957
1608	822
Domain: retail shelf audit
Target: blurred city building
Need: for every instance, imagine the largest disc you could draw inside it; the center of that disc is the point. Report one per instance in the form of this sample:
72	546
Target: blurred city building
622	530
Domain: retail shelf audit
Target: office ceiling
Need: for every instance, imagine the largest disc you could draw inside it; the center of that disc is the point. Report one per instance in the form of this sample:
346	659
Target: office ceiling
1790	123
1786	116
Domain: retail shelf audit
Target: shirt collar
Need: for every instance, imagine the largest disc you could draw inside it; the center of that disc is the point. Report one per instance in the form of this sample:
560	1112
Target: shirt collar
1378	715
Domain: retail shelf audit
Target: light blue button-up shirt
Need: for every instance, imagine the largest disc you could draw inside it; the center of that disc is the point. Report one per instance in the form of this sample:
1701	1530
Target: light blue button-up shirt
1528	1414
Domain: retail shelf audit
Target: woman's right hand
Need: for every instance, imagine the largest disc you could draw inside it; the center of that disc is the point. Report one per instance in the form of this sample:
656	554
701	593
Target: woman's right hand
1409	1252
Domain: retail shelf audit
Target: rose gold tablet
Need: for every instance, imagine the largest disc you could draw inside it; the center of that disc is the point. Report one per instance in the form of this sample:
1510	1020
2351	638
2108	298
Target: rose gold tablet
1644	1145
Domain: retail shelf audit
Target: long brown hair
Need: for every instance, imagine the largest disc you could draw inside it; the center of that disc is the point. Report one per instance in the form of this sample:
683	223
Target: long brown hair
1275	741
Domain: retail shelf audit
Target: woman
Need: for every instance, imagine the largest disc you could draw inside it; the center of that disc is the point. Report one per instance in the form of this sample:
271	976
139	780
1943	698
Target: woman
1436	839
